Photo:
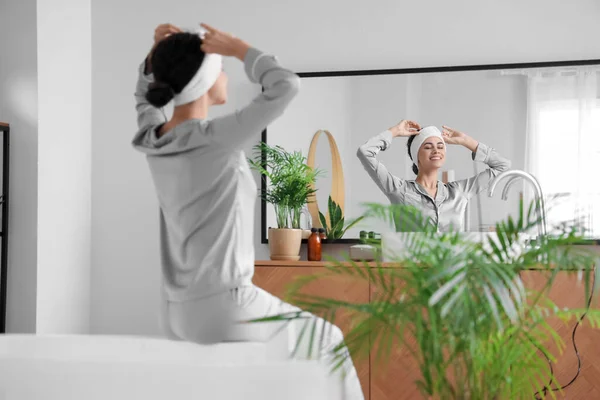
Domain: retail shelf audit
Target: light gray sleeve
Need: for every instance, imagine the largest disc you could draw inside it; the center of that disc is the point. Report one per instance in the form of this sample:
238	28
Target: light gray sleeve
480	182
148	116
280	86
367	154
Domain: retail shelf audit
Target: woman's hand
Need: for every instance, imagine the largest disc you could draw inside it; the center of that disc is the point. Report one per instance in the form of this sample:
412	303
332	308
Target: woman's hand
225	44
163	31
405	128
452	136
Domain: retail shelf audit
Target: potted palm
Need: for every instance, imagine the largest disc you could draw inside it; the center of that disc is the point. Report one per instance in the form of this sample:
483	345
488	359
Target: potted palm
290	183
460	308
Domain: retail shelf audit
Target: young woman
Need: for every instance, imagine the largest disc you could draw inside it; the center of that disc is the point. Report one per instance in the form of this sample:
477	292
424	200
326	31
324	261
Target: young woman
205	189
444	204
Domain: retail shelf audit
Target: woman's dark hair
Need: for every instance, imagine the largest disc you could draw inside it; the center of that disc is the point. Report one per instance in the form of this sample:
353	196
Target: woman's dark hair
175	61
414	166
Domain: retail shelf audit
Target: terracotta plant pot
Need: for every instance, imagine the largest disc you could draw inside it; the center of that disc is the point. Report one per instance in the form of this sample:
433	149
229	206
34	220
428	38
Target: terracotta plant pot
284	244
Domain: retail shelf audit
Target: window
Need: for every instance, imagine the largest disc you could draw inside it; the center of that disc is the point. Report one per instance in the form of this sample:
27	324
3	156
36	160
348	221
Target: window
568	163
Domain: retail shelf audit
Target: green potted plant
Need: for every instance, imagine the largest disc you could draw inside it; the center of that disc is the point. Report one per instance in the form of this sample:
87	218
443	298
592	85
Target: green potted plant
460	308
334	224
289	186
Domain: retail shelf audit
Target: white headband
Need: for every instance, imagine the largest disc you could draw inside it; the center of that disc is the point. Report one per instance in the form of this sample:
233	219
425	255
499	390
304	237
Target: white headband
203	80
423	135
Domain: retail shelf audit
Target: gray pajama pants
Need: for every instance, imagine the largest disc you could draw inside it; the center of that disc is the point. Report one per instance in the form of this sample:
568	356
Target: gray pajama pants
212	319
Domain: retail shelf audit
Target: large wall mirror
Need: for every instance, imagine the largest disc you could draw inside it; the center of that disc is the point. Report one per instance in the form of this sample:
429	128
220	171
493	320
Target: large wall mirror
544	117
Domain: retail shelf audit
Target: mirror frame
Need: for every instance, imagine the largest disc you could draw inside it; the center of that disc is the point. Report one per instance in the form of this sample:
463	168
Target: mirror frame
398	71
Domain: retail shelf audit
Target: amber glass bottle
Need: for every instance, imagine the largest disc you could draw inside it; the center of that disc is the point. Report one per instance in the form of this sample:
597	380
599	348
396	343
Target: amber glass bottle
322	234
314	246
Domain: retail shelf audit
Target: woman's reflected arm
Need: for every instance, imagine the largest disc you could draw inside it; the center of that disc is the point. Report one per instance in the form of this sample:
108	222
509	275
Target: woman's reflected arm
367	154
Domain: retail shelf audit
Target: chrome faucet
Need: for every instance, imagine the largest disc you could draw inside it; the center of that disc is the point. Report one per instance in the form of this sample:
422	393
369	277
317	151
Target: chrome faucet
514	175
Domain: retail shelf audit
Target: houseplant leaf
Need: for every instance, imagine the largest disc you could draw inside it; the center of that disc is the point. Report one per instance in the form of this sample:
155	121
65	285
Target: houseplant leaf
350	225
331	211
336	231
324	223
462	307
338	212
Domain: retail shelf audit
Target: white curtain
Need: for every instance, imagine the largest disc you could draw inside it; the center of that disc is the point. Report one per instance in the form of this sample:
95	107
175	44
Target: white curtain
563	144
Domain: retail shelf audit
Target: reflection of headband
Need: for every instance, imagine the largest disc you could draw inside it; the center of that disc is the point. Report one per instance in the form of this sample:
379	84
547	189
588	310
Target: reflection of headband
205	78
423	135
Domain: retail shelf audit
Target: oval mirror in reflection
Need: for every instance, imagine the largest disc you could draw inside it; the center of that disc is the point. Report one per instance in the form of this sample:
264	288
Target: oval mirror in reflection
323	163
324	155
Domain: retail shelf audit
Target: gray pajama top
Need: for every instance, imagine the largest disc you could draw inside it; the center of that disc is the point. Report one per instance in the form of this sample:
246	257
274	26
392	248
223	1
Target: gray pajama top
205	189
450	203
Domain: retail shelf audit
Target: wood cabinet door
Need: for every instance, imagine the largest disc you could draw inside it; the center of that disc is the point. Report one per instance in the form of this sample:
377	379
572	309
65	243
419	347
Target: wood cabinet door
395	380
568	291
394	377
276	279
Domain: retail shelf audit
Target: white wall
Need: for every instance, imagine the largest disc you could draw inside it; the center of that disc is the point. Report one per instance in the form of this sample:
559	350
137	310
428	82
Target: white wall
322	104
64	165
312	35
18	106
380	102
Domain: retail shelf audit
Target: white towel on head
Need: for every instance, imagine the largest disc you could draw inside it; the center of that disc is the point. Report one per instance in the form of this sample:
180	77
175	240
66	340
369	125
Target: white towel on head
203	80
419	139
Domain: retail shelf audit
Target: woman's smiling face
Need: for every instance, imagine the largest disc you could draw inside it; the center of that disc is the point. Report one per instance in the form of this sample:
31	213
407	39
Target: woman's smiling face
432	154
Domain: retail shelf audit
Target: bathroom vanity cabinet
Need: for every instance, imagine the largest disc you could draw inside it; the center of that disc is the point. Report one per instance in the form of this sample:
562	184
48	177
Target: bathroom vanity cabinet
395	380
274	276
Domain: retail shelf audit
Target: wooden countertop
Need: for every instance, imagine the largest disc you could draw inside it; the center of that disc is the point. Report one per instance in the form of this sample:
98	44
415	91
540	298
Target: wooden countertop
4	124
305	264
321	264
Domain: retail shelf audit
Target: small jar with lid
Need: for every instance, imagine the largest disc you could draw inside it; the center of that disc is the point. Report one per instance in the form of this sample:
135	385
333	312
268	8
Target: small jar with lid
322	234
313	246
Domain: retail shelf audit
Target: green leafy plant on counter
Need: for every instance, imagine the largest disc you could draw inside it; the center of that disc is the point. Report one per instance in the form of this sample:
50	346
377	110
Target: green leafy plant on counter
290	181
459	308
336	229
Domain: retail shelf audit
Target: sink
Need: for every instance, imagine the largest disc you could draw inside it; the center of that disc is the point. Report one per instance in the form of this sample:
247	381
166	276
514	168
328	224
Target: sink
394	245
